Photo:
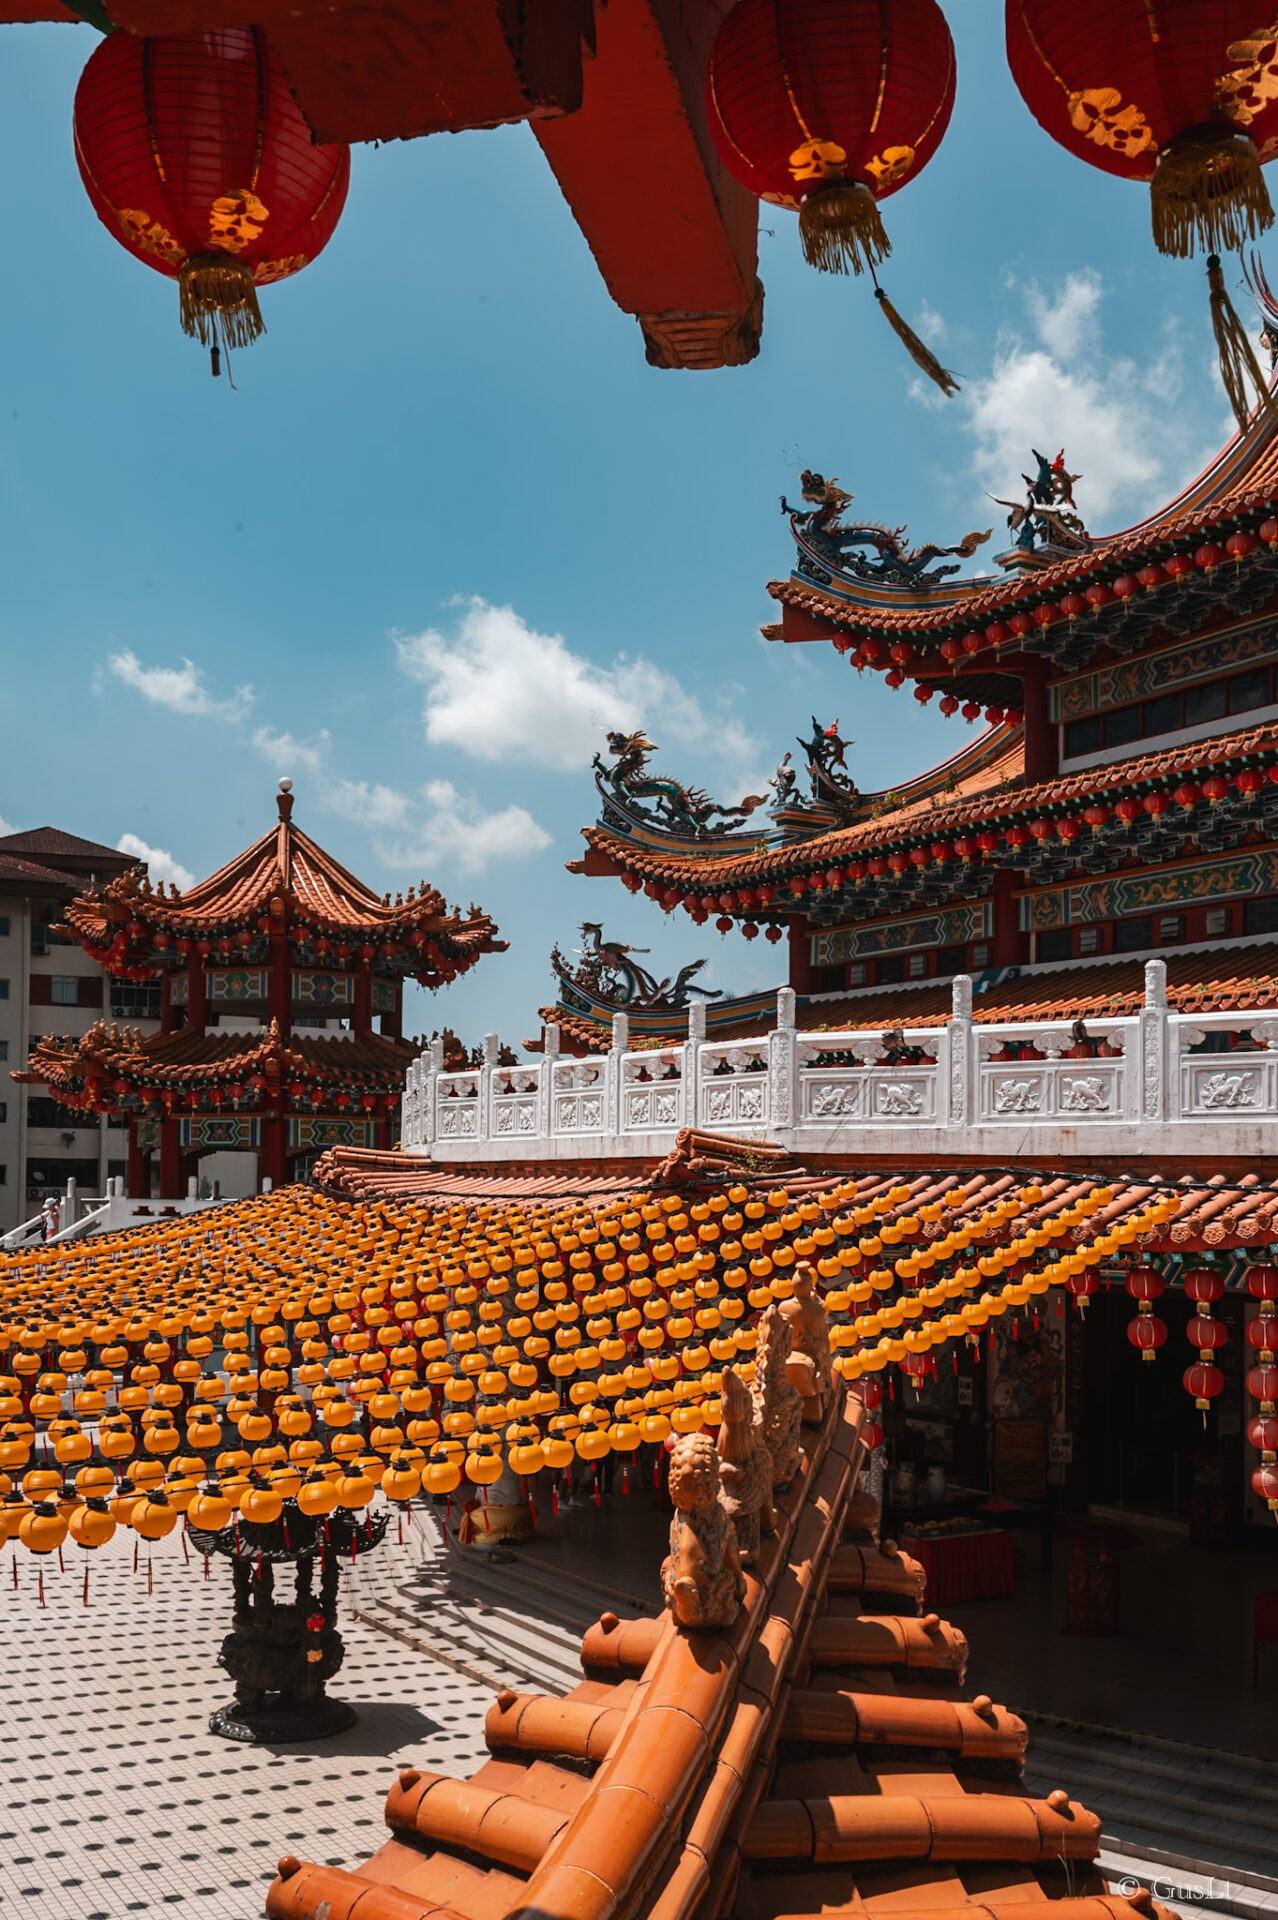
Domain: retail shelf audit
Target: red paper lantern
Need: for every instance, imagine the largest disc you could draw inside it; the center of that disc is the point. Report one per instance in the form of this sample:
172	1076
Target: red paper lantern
1206	1334
1098	594
971	709
196	158
772	934
1208	556
1264	1483
1262	1282
1203	1284
1204	1382
1215	788
827	107
1250	780
1177	94
948	705
995	716
1178	565
1147	1333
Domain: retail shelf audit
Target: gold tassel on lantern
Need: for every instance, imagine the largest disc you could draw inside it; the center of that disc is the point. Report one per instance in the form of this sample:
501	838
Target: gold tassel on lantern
219	299
840	228
1208	190
1238	362
921	354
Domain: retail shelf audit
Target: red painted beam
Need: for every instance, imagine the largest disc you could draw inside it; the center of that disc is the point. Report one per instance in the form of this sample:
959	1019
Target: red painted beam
674	237
398	69
797	625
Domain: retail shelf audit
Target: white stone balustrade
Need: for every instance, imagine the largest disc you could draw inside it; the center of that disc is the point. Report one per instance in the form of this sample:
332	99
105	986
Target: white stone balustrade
1153	1083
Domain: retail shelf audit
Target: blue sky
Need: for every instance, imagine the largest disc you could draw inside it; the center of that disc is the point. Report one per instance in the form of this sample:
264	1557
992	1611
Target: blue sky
451	522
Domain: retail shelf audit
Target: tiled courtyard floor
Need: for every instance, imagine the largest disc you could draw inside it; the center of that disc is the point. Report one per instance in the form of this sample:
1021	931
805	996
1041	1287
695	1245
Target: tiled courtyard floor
117	1799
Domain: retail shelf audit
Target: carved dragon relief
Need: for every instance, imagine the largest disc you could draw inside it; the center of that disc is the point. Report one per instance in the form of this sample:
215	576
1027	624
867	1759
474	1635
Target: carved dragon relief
676	809
607	972
820	531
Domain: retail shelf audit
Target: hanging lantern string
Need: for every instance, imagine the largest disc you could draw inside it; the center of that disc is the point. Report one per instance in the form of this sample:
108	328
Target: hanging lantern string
918	350
1239	366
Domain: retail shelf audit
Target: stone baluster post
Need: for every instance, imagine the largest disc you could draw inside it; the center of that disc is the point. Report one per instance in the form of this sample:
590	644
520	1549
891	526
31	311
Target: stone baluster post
692	1062
430	1094
1158	1100
783	1058
614	1114
549	1061
960	1055
492	1047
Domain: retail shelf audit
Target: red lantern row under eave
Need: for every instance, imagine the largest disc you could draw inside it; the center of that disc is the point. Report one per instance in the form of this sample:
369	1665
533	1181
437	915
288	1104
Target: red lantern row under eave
196	158
827	107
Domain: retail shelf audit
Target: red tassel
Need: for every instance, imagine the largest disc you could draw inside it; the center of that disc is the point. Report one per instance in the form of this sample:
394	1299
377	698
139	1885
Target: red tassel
84	1597
135	1556
14	1564
61	1562
207	1575
598	1495
399	1531
285	1525
150	1583
625	1479
186	1553
42	1586
656	1474
353	1549
533	1511
554	1500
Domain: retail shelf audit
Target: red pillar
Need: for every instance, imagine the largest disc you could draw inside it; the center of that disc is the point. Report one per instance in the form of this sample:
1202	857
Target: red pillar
172	1186
364	997
1042	761
168	1013
139	1172
1010	944
275	1146
280	985
197	995
800	953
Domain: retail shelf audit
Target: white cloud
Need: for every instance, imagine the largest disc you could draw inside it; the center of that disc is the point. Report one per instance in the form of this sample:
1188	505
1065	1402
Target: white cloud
5	826
454	828
1052	384
160	864
1066	324
180	689
499	690
285	753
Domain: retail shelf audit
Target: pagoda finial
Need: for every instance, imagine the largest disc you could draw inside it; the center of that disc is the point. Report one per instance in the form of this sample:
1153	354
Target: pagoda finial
284	799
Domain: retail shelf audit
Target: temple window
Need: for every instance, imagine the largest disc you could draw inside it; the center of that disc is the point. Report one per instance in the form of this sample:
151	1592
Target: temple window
1261	916
1171	927
1133	936
982	953
1089	940
890	970
1055	944
1217	922
951	959
1171	712
918	966
858	973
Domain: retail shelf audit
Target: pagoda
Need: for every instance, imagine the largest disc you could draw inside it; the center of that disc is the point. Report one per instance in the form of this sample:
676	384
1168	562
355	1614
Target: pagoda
1120	803
281	982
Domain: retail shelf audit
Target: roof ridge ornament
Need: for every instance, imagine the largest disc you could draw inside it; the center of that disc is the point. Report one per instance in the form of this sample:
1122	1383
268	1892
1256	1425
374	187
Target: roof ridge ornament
688	811
610	977
824	541
1047	525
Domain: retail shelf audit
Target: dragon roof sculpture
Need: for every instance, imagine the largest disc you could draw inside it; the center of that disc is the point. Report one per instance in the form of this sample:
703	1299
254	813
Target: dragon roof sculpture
634	796
608	976
828	547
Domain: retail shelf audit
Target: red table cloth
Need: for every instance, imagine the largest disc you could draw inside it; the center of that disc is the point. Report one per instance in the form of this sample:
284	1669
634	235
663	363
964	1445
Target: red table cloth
964	1566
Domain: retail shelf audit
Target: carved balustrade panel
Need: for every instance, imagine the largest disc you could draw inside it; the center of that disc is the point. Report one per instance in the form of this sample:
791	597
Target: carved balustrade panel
732	1087
457	1106
515	1103
651	1091
578	1102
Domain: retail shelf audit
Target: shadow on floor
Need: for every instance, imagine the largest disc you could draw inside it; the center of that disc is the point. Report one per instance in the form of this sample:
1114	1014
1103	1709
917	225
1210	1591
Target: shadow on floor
1180	1666
383	1728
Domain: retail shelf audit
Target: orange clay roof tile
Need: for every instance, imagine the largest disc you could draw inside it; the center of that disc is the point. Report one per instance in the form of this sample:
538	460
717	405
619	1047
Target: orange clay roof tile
719	1786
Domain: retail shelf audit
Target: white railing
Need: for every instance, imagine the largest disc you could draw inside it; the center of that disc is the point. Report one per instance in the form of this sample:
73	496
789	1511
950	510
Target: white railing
1154	1082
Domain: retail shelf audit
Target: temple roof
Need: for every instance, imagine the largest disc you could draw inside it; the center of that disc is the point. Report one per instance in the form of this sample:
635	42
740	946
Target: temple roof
116	1069
1030	610
66	852
283	880
1217	978
855	861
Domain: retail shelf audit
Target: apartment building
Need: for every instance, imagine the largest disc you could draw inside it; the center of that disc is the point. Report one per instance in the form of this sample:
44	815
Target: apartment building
48	984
